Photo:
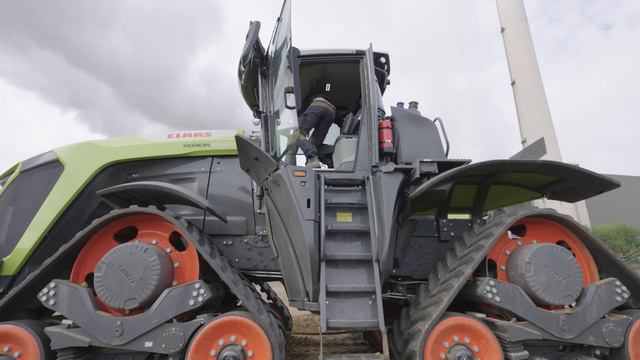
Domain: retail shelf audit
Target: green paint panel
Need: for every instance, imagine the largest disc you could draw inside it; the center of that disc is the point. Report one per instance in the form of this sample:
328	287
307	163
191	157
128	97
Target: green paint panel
11	175
84	160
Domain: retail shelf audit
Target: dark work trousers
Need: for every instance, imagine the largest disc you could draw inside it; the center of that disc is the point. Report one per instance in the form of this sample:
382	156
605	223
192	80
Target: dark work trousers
316	118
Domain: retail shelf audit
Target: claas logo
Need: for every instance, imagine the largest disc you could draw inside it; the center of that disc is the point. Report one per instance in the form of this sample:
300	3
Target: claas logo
189	135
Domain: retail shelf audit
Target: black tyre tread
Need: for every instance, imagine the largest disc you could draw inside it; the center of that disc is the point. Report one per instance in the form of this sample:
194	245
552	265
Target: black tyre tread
450	275
73	354
279	304
239	285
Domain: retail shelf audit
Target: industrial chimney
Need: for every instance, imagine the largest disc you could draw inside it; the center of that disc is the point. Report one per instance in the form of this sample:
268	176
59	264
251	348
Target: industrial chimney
534	116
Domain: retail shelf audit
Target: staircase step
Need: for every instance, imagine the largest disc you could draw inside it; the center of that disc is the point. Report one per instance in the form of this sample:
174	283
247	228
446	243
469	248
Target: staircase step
375	356
351	288
343	183
351	245
353	324
349	256
350	295
345	202
348	228
349	272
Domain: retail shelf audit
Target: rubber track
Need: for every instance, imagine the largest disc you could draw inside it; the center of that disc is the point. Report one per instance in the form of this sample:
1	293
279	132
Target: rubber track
232	277
445	282
242	288
280	306
37	279
72	354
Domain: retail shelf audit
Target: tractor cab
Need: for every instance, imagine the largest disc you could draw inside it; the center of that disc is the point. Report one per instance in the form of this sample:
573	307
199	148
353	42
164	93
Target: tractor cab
278	85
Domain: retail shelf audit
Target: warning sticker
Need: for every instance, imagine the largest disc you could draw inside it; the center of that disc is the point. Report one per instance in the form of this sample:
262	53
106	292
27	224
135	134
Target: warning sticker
344	217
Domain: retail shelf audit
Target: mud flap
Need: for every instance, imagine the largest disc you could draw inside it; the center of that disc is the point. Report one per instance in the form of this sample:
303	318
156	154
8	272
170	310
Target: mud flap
494	184
146	193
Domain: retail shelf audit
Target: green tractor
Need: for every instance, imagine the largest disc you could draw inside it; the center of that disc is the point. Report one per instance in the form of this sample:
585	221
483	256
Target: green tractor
137	249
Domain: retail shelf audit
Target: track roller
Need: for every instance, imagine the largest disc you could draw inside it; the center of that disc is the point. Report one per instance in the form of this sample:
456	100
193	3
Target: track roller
459	337
231	336
631	348
23	340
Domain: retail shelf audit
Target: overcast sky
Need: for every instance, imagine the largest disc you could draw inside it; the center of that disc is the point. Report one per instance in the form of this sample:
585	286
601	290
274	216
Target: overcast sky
77	70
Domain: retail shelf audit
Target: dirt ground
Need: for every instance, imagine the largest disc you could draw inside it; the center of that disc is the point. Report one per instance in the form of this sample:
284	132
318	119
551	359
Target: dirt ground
304	342
308	346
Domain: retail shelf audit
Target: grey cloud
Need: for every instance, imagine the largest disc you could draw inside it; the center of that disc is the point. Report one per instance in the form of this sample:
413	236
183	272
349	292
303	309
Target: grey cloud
122	63
126	66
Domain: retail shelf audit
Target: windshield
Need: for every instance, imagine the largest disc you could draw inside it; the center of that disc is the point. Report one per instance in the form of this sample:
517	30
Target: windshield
282	112
22	199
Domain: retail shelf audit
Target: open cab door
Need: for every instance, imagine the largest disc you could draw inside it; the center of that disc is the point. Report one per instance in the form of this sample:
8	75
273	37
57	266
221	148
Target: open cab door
252	60
289	191
281	127
267	84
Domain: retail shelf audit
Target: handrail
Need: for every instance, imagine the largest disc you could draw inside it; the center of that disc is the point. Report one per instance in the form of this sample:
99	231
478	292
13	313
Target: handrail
444	134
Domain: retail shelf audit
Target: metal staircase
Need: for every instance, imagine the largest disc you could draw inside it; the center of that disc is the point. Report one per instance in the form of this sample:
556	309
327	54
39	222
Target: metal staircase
350	290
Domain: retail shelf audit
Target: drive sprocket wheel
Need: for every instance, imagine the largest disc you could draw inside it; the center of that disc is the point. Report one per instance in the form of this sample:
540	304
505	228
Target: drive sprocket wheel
143	228
538	230
460	337
23	340
234	335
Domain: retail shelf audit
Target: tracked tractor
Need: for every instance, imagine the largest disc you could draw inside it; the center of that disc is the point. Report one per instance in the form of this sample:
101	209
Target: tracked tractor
134	248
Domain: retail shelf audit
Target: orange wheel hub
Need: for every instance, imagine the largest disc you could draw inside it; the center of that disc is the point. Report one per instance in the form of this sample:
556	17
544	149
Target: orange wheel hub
231	334
535	230
633	341
145	228
19	343
459	336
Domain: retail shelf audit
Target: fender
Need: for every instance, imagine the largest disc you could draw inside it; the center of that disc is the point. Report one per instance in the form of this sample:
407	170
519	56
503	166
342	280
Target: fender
159	194
489	185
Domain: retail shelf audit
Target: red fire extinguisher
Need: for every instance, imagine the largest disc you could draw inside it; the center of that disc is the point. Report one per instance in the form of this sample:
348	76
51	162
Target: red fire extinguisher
385	138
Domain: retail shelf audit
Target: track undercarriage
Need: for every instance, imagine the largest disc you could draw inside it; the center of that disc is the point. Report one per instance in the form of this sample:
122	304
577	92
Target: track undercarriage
178	320
467	309
498	318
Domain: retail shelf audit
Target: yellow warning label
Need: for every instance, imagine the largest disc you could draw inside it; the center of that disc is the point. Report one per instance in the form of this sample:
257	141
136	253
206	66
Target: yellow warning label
344	217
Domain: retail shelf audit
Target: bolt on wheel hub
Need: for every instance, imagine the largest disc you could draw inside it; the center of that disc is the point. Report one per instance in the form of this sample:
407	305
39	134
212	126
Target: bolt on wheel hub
19	343
232	352
132	275
459	337
460	352
231	336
